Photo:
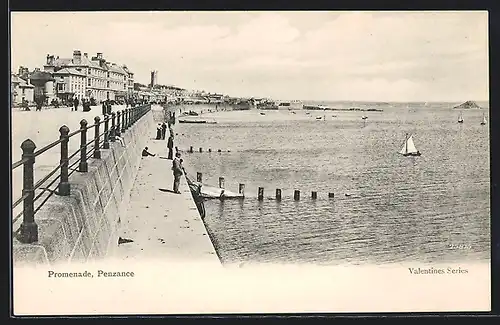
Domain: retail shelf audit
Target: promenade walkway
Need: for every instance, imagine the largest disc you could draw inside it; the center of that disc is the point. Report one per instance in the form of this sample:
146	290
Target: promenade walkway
162	224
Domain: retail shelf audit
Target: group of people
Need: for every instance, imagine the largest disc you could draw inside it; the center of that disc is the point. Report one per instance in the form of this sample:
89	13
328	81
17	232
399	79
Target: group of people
161	131
85	104
177	168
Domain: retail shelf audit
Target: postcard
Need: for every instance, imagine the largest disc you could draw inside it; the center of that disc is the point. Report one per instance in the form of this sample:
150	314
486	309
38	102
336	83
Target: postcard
250	162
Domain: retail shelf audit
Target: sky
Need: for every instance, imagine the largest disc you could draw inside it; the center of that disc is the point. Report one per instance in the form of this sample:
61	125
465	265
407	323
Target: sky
325	55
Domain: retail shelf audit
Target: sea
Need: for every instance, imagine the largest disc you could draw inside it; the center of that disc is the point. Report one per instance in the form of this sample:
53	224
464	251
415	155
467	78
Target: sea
386	208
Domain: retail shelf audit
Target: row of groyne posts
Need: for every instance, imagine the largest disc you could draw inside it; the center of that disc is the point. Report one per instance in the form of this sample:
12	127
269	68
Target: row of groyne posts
120	122
260	193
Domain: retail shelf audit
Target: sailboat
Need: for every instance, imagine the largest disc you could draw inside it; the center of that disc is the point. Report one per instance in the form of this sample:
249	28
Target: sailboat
460	118
409	148
483	122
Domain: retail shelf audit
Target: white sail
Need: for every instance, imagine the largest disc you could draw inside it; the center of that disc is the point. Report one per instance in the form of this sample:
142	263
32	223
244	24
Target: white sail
484	119
460	118
408	146
411	145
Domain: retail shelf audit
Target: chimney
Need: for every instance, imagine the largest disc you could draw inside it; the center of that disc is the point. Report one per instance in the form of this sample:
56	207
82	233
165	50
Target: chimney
99	56
86	55
48	59
77	57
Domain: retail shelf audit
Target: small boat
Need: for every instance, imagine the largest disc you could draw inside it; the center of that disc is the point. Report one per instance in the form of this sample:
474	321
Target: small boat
460	118
409	148
197	121
483	122
262	113
207	192
364	117
319	117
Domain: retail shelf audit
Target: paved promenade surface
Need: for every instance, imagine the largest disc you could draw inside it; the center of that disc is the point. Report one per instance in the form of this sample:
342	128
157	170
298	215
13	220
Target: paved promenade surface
162	224
42	127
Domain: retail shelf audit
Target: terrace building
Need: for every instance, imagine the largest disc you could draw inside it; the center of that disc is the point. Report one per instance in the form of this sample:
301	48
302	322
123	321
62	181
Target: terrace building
103	79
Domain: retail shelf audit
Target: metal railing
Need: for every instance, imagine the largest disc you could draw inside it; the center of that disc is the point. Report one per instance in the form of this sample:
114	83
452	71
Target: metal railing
120	122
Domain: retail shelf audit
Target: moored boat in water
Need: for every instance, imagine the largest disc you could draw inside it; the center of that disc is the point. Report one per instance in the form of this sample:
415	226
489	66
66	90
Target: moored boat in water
197	121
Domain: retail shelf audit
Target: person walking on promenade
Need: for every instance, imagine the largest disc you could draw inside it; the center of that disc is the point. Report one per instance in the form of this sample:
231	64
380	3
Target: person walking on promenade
24	104
163	130
177	171
158	132
108	107
39	102
170	146
75	103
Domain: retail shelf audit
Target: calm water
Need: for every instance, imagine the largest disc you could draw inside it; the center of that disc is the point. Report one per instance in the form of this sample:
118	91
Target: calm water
399	209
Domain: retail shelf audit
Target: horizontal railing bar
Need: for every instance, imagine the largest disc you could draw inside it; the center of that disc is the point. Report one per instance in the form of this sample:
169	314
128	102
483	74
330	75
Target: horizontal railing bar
74	133
89	143
17	217
49	175
46	188
50	146
43	202
73	155
19	163
15	204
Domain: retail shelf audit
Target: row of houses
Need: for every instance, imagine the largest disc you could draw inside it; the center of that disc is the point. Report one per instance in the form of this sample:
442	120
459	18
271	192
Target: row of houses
93	77
80	76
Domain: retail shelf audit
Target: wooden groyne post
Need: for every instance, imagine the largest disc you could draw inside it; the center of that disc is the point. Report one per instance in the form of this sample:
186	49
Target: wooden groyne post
241	189
296	195
191	149
278	194
314	195
221	182
201	149
260	195
199	177
331	195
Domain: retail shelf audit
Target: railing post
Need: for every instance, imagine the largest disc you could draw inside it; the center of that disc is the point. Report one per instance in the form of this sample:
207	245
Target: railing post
28	232
105	144
97	150
123	124
125	118
118	120
64	188
129	118
113	127
83	167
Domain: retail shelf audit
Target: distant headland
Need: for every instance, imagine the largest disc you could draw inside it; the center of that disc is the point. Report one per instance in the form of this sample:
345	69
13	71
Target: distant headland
468	105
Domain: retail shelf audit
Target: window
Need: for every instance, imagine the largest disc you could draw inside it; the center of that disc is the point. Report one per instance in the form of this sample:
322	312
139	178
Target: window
90	71
89	83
